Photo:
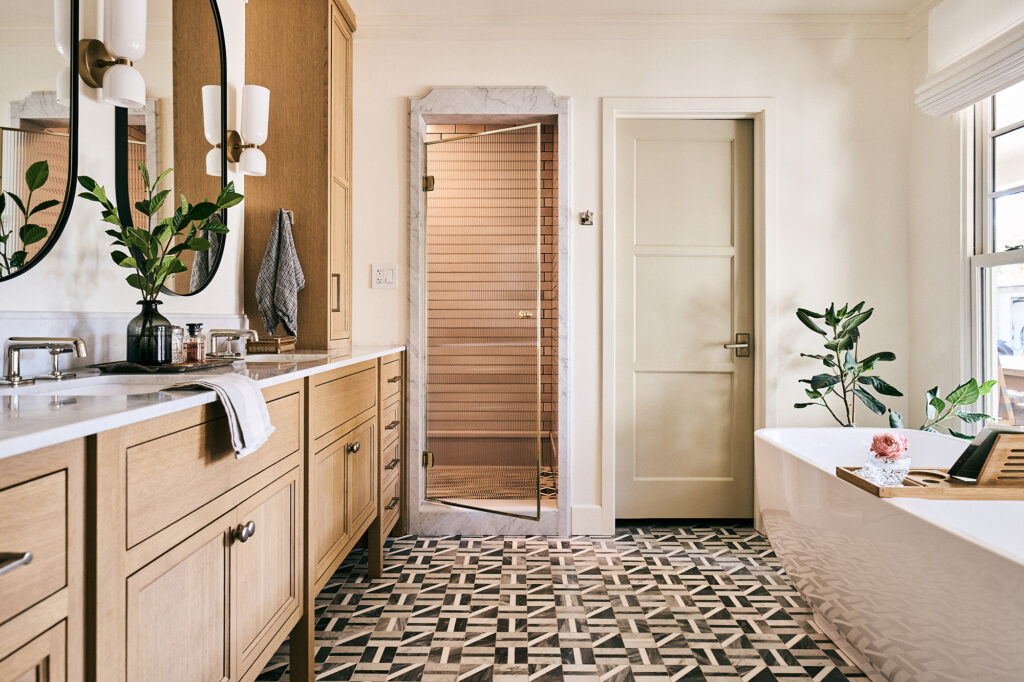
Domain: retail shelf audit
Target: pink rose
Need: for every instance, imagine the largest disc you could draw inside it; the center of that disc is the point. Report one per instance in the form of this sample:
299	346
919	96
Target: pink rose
890	445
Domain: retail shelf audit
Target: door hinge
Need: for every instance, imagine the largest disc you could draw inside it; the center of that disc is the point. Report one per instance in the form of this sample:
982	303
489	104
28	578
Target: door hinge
428	459
428	183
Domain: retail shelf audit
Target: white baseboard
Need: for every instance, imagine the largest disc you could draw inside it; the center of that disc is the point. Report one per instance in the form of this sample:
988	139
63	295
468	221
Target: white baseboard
588	519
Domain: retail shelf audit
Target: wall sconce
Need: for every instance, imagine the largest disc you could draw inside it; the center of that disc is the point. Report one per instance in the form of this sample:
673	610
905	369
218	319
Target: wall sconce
108	64
243	147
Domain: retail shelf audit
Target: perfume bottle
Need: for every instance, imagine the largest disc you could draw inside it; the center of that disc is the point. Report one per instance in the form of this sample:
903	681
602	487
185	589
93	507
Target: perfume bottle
195	344
177	345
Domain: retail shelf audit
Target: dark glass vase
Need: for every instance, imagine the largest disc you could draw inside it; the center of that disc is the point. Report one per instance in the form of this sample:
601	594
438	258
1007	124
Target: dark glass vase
149	336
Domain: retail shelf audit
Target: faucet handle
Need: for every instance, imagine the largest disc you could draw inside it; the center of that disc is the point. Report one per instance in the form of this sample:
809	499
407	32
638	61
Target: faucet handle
229	334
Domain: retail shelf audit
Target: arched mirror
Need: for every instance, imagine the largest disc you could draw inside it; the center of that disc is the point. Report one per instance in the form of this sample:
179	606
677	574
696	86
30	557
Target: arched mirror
38	128
184	53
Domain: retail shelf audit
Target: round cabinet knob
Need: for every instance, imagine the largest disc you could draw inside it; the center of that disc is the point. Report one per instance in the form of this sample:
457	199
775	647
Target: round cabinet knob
353	447
245	531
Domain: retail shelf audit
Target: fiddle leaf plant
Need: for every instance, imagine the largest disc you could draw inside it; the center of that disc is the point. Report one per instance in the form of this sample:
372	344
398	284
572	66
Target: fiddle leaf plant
153	253
939	410
847	378
29	233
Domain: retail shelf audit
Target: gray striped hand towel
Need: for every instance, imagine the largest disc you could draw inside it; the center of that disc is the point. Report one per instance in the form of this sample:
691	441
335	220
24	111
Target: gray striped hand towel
280	279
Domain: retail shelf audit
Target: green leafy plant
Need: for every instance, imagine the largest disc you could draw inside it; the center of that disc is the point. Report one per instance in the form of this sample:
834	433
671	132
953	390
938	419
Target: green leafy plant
847	378
939	410
153	252
29	233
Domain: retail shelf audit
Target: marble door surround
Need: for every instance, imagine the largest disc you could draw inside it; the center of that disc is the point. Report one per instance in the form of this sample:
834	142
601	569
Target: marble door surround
484	105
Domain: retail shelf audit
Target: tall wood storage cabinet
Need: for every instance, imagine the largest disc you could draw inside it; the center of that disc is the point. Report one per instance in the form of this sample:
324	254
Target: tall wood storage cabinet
304	55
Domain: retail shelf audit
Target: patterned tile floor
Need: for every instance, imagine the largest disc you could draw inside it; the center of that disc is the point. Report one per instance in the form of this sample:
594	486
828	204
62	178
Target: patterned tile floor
661	602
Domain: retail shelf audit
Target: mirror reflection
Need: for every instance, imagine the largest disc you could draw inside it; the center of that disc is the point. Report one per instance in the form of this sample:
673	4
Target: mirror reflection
35	128
183	54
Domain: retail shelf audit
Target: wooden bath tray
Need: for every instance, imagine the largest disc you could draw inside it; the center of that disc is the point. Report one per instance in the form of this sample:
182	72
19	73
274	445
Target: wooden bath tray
1002	477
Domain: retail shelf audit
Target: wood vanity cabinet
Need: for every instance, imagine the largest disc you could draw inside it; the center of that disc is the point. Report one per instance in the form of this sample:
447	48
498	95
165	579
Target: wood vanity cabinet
198	553
42	523
305	58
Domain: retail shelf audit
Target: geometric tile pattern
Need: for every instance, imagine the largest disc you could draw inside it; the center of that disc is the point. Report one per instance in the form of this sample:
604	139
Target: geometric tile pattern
655	602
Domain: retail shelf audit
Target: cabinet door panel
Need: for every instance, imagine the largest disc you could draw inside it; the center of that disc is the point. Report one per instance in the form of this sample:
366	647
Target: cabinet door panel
339	96
340	278
362	474
265	568
330	531
41	660
177	615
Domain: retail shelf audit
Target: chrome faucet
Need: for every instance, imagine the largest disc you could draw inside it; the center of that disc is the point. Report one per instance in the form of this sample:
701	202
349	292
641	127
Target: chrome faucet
229	335
55	346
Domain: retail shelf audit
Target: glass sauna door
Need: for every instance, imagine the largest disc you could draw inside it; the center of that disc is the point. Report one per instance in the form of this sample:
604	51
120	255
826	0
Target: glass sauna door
483	320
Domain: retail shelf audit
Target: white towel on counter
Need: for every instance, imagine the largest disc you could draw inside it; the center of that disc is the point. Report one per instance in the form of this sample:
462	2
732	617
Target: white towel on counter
246	410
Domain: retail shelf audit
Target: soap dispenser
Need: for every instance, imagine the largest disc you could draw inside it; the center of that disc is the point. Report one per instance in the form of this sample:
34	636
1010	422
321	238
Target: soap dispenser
195	344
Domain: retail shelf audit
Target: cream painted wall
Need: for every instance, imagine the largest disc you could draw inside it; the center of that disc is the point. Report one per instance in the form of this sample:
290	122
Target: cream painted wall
78	275
842	173
935	260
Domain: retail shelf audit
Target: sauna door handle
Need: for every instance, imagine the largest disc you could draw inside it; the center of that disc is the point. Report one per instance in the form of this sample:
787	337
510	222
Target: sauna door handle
525	314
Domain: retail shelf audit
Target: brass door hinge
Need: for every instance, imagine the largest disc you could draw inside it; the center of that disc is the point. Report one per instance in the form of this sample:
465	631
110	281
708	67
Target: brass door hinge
428	459
428	183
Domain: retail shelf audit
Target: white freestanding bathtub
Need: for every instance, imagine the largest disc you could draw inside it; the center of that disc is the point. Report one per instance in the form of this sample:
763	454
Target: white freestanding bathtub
911	589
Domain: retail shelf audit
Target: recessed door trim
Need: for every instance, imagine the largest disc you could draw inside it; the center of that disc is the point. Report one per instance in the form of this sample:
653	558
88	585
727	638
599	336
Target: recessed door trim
762	112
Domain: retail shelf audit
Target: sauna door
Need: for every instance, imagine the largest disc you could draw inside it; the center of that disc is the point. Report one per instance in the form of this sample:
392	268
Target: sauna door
483	321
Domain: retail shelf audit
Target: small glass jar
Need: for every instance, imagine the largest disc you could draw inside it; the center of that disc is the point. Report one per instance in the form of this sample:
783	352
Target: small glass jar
195	344
177	345
886	472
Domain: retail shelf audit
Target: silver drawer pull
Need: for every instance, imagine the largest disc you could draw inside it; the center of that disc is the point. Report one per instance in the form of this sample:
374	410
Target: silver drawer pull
393	503
11	560
393	463
392	425
395	380
244	532
352	447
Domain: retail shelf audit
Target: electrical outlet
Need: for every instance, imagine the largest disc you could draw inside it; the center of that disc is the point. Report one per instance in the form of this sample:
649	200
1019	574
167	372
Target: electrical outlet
384	276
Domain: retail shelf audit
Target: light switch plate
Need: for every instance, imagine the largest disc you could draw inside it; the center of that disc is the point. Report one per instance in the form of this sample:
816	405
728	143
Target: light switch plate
384	276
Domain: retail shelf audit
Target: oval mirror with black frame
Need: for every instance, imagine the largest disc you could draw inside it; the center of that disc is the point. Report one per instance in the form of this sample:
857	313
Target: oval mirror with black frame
38	129
184	53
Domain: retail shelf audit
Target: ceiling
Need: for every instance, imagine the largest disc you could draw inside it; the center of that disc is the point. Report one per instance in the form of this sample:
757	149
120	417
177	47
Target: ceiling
632	8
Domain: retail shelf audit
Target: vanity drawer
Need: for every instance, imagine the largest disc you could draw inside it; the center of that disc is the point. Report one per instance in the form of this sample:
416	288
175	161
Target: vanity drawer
171	474
390	376
337	398
390	421
33	522
391	499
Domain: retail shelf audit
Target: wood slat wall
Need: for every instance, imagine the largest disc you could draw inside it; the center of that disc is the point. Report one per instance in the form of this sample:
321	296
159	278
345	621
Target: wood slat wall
481	270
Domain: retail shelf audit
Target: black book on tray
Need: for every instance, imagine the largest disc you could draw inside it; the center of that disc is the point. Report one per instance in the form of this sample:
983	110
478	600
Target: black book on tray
968	466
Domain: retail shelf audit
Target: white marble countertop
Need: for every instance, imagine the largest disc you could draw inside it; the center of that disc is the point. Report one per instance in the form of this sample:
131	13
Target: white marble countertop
30	420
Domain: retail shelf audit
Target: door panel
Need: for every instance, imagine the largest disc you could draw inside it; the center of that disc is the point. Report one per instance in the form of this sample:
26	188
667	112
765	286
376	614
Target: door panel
41	660
174	638
684	288
483	319
361	463
265	568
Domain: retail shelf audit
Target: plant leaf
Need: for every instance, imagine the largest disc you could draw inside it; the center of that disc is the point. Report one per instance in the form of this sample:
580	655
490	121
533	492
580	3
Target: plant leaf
805	317
879	384
820	381
813	395
198	244
849	363
959	435
43	205
36	175
137	282
929	397
895	420
987	387
30	234
87	182
18	202
870	401
857	320
802	405
971	417
966	393
145	174
884	356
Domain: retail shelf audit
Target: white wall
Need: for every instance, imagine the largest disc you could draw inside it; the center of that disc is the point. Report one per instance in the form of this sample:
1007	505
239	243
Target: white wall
78	274
844	193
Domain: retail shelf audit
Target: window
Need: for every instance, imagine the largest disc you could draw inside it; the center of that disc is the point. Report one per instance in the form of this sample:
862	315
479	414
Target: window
997	265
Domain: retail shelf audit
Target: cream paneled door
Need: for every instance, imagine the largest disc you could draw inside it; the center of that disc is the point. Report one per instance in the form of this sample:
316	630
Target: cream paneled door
684	290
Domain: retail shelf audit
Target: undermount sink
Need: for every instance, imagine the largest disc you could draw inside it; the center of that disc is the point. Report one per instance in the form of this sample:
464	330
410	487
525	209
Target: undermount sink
103	385
285	357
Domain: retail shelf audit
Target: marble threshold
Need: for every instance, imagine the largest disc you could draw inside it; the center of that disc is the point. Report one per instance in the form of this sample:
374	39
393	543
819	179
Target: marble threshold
31	419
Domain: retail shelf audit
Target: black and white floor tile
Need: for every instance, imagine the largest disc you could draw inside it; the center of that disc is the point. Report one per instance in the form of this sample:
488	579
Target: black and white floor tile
661	602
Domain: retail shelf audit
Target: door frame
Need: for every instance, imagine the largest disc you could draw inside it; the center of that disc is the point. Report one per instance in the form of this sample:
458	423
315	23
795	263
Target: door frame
477	105
762	111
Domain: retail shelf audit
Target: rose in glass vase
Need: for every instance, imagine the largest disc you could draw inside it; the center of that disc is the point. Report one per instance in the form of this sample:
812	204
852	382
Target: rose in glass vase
888	461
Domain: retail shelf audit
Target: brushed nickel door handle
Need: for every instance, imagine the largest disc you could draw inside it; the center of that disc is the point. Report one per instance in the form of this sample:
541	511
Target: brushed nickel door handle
392	425
12	560
741	346
394	503
244	532
393	463
353	447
